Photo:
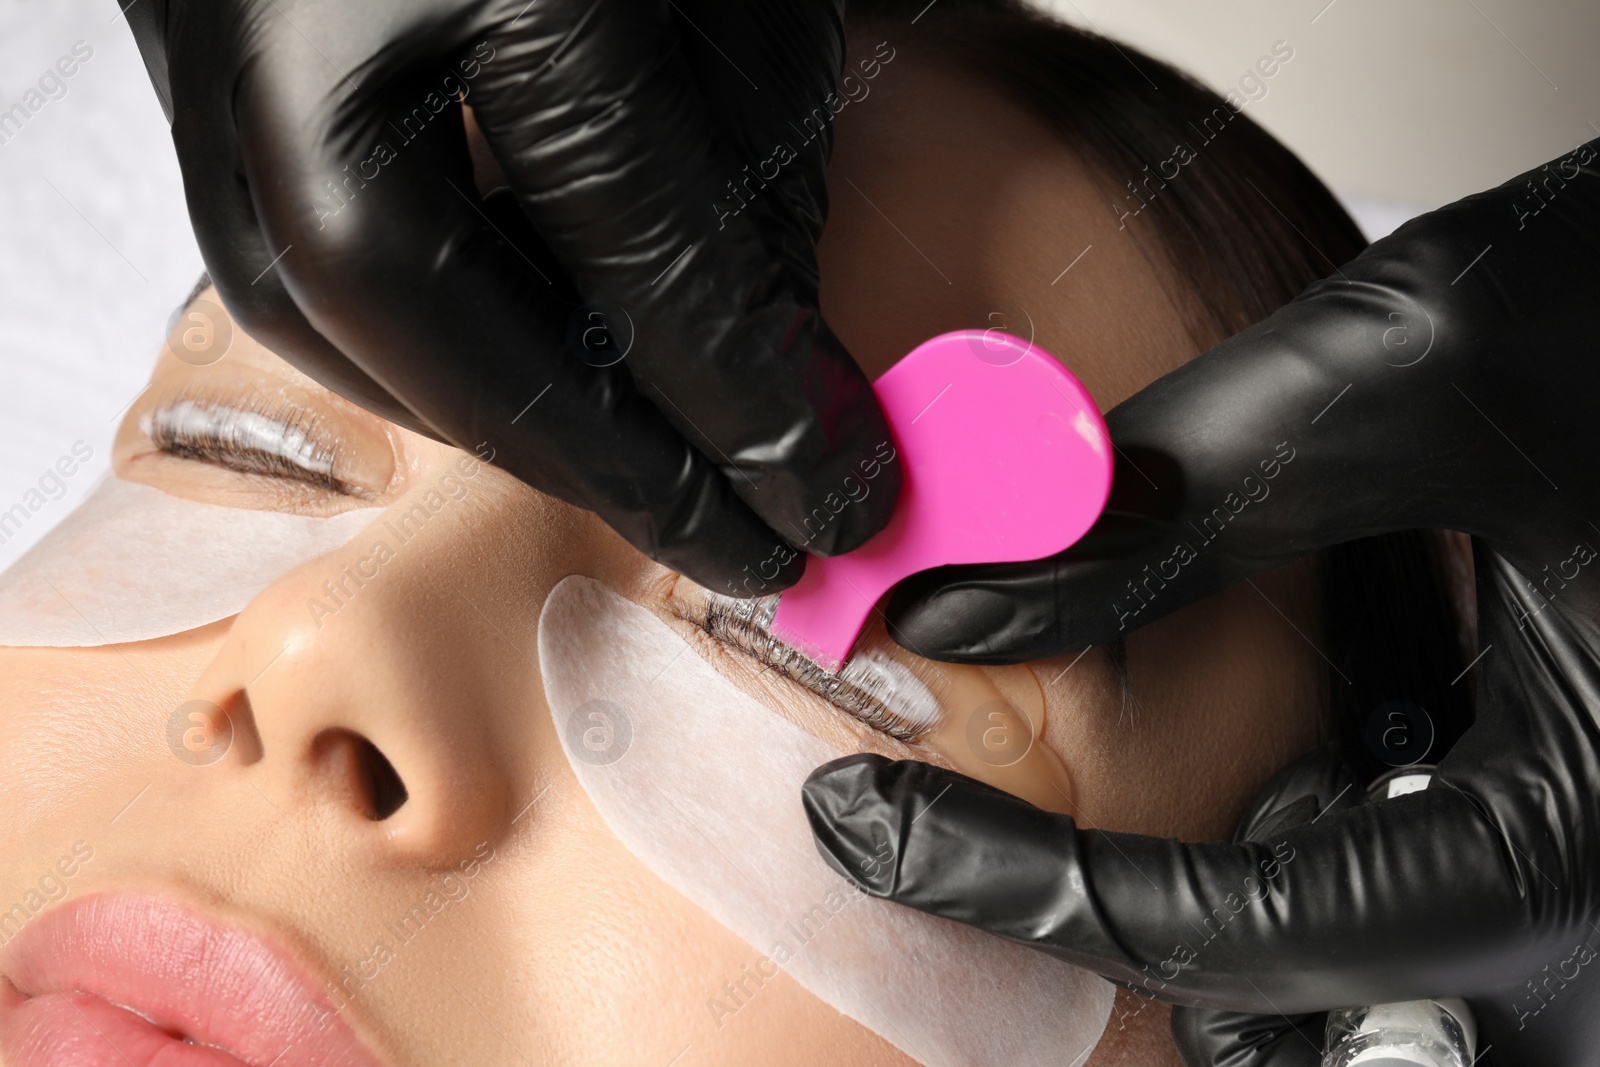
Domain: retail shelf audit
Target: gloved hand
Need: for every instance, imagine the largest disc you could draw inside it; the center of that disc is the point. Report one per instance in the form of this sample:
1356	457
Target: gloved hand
668	162
1303	792
1448	377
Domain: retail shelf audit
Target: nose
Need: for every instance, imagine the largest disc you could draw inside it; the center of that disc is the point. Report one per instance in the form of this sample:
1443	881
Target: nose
373	687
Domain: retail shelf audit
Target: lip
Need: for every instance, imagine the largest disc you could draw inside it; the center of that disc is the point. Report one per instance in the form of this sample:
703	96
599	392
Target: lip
137	980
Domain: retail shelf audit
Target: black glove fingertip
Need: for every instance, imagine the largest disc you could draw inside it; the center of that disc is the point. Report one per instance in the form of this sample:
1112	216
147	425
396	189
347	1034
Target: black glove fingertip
849	817
958	622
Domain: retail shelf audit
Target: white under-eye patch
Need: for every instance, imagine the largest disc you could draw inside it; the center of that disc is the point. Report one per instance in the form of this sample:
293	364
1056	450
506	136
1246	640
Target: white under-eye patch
132	563
702	784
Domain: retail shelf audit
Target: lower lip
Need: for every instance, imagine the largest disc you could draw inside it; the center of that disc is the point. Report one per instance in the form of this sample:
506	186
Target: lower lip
140	981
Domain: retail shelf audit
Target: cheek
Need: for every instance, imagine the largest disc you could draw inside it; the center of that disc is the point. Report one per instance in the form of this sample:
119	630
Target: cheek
82	732
645	973
544	540
78	724
1204	723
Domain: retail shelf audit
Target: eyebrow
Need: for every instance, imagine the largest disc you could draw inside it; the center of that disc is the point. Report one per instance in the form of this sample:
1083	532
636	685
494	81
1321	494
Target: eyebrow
199	287
1117	656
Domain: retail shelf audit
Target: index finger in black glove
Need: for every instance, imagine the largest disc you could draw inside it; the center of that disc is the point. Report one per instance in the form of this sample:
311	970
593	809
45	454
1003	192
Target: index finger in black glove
1258	926
1301	793
634	198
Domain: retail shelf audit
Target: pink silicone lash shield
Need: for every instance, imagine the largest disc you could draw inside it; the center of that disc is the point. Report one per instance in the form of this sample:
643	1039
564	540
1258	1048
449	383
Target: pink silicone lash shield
1004	458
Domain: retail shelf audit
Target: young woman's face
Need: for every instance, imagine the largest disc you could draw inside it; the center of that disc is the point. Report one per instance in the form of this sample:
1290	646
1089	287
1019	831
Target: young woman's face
538	939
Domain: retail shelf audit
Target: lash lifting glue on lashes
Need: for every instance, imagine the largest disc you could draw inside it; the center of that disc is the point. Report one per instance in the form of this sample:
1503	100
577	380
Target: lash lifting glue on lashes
1004	457
1415	1033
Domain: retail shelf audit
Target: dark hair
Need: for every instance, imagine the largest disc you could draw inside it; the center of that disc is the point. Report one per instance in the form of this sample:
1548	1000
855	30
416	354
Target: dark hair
1246	227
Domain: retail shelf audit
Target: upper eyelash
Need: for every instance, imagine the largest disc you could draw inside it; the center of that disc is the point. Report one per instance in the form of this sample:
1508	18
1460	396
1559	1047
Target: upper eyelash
744	625
223	441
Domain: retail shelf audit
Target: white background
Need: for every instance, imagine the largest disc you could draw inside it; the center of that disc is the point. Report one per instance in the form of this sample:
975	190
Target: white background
95	246
1398	106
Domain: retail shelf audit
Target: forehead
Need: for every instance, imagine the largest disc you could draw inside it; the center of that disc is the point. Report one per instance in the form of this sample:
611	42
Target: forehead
204	335
952	207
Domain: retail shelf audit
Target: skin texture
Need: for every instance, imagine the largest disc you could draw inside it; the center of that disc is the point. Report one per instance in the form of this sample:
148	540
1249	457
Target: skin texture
567	950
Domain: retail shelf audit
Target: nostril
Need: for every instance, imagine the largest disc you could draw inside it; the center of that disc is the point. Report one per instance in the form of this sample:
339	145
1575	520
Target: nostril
363	771
385	790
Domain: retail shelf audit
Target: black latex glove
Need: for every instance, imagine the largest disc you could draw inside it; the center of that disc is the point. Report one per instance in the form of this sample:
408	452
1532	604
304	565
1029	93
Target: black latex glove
1482	414
1303	792
620	126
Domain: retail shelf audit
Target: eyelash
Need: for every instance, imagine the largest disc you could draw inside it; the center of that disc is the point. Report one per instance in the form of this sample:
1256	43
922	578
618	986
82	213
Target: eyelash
224	439
745	625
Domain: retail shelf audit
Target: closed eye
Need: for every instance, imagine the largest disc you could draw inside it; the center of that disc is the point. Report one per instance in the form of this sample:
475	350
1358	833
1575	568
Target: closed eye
895	699
241	431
